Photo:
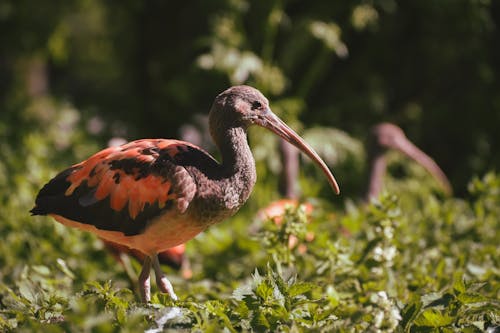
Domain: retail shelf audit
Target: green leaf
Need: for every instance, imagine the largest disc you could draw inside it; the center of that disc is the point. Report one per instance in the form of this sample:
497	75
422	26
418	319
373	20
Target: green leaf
41	269
458	284
433	318
26	291
264	290
300	288
333	296
469	298
410	312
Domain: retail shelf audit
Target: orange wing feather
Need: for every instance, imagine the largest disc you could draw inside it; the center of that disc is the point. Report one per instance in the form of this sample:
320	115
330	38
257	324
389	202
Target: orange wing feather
121	188
96	171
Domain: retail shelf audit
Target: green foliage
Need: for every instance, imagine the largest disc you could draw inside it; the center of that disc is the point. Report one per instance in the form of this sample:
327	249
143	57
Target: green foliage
412	262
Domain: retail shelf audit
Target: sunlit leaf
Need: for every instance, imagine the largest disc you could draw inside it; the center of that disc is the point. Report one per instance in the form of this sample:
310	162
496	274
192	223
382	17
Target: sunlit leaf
433	318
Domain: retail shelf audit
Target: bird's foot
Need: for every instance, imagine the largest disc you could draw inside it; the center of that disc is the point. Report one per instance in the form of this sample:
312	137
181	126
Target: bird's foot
161	280
145	290
144	281
166	287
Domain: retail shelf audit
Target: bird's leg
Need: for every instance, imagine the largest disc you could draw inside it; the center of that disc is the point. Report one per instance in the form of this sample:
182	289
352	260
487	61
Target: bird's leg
162	281
144	282
186	270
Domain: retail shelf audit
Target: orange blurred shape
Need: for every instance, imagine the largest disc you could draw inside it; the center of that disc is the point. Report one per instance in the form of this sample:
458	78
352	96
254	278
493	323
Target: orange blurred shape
277	209
275	212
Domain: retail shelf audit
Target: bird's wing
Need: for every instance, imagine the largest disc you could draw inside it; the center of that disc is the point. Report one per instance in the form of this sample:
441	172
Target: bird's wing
123	188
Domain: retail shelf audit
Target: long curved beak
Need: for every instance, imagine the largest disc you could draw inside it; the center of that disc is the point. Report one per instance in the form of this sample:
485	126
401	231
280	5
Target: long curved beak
269	120
409	149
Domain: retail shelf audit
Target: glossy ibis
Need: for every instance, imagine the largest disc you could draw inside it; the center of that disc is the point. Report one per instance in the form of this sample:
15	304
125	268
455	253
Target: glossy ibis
154	194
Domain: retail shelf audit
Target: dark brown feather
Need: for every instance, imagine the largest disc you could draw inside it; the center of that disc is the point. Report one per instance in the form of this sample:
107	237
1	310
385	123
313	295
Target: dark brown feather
123	188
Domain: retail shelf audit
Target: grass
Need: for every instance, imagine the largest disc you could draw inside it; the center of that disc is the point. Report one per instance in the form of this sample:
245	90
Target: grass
412	261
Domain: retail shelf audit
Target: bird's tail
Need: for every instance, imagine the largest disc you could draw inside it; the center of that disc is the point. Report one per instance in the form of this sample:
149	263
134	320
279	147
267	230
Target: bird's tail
37	210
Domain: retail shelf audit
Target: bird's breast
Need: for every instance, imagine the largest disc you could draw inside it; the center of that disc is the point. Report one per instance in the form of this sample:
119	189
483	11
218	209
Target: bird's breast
218	201
168	231
171	229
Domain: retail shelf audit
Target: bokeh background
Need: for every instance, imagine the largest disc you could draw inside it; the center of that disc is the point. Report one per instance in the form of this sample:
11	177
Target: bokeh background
145	68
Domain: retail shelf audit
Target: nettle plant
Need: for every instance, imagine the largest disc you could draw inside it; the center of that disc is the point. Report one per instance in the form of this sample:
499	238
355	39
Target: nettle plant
409	261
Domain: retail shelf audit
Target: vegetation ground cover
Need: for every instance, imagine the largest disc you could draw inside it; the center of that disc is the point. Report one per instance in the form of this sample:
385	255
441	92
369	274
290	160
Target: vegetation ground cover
411	261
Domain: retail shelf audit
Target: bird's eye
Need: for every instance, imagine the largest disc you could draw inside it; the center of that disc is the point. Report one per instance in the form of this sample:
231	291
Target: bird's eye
256	105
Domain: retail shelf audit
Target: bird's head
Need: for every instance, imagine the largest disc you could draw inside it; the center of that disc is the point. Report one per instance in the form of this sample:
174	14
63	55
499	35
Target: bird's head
386	136
243	106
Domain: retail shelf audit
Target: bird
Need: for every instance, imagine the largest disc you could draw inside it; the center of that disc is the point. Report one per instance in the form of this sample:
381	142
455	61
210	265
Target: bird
385	136
175	257
154	194
381	138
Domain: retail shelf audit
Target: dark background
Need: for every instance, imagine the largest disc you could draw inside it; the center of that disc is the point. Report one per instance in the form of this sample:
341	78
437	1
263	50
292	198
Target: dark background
146	67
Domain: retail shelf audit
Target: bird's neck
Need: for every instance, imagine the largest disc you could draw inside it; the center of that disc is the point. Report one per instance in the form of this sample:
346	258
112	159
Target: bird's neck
238	165
377	164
